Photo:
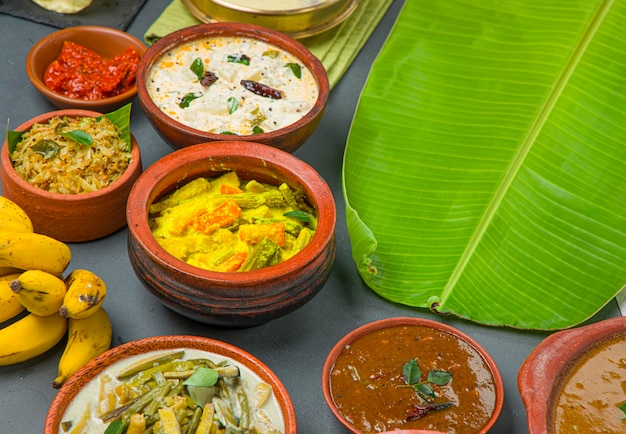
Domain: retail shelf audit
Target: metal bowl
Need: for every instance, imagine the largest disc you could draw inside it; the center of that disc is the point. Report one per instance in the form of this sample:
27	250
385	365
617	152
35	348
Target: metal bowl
297	18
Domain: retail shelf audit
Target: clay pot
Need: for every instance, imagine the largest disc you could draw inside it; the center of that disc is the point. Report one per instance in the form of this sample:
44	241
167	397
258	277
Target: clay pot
542	373
91	370
179	135
237	299
106	41
71	217
329	366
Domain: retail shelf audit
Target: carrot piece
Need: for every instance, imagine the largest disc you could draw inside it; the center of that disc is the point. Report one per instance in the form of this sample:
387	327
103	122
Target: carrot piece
233	263
229	189
221	216
253	234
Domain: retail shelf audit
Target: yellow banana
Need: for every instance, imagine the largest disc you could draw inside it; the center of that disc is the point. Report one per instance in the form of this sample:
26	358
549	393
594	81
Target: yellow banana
10	306
87	338
13	217
32	251
30	337
85	294
9	270
39	291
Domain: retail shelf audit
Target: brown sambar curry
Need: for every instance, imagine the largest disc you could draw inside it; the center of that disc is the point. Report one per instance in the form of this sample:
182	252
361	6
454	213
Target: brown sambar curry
594	391
370	390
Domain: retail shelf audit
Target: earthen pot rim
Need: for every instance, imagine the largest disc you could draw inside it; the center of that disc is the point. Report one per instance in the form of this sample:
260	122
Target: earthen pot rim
399	321
140	198
67	198
542	372
171	342
204	30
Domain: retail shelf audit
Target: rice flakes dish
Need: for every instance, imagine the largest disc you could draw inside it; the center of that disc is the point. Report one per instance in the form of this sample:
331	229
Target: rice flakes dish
48	159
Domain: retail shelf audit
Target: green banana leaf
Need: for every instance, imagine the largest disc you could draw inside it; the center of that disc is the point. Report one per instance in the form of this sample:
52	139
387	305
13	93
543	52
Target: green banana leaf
484	169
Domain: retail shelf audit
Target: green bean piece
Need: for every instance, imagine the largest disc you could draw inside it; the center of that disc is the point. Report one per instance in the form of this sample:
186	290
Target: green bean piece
145	400
195	420
224	412
149	362
228	371
148	374
264	254
271	198
287	193
244	407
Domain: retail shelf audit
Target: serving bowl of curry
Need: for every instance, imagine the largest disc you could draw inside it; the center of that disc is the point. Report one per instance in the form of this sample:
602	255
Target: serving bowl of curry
231	233
88	67
412	374
573	381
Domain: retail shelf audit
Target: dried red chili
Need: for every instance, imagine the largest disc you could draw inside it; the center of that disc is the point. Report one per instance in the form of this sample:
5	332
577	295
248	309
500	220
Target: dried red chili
81	73
262	89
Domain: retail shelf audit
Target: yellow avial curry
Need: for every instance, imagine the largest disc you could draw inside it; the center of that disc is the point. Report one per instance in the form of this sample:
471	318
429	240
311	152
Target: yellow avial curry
227	224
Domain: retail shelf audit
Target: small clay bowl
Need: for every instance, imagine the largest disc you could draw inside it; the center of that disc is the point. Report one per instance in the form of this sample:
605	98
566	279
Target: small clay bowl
178	135
92	369
330	366
106	41
71	217
234	299
542	374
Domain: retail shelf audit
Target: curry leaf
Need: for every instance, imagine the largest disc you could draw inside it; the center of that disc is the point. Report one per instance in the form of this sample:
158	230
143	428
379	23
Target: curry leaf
295	68
299	215
187	98
239	58
411	371
494	161
13	138
78	136
439	377
45	148
202	377
115	427
121	119
197	67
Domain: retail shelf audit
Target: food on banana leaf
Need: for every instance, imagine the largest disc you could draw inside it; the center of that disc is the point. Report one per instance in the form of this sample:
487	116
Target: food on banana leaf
227	224
63	6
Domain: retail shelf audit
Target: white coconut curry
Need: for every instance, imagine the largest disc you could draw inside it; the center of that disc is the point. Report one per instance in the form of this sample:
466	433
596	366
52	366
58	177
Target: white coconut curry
232	85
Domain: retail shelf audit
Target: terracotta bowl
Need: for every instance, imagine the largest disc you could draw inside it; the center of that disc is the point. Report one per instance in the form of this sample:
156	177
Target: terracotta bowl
105	41
542	373
236	299
97	365
330	369
178	135
71	217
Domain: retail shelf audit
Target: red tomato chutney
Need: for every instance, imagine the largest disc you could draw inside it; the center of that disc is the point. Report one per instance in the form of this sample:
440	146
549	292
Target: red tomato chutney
594	392
369	389
81	73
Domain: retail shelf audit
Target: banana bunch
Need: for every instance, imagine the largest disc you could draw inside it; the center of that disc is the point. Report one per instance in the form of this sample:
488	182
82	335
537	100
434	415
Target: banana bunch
39	305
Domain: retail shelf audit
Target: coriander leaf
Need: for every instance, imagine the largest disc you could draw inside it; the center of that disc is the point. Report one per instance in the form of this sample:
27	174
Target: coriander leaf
295	68
439	377
78	136
197	67
46	148
233	105
412	373
203	377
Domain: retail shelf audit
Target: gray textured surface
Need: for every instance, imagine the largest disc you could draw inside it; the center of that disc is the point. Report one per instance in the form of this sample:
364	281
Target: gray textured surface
294	346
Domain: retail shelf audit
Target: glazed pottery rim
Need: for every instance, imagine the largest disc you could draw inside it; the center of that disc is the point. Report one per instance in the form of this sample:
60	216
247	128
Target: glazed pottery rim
39	83
410	321
538	397
207	30
168	342
76	197
307	176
